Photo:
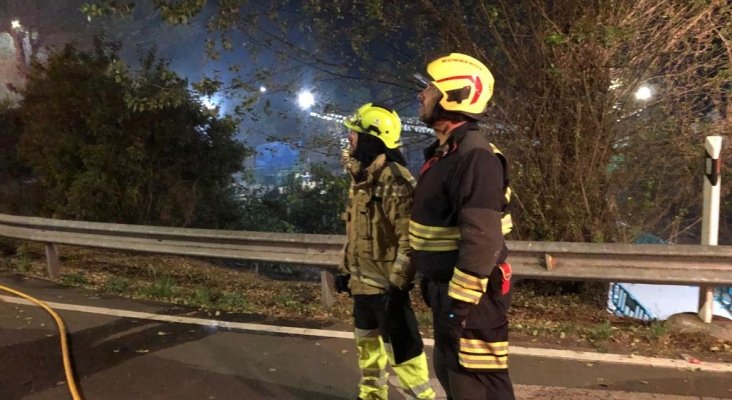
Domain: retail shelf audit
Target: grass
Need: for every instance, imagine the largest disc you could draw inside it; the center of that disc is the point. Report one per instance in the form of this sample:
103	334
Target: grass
286	298
116	285
23	259
233	301
658	330
161	288
567	329
601	332
204	297
74	279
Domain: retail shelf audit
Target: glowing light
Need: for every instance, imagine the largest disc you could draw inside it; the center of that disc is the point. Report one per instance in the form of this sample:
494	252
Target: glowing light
15	24
643	93
262	89
615	83
305	99
209	102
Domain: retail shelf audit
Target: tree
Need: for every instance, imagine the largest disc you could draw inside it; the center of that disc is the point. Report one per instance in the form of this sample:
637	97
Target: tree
311	204
593	162
315	204
589	161
19	193
109	144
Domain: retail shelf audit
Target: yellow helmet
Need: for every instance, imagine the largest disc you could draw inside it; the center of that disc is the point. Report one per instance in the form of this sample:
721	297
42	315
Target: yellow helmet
379	121
466	84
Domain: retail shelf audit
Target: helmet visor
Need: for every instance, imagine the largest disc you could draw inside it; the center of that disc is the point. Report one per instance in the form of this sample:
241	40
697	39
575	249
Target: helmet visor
354	123
421	79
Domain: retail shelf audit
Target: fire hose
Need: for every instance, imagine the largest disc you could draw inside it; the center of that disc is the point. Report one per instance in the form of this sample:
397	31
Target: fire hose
63	334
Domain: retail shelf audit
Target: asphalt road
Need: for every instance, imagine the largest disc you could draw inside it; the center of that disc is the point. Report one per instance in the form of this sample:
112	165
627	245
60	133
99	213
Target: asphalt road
119	357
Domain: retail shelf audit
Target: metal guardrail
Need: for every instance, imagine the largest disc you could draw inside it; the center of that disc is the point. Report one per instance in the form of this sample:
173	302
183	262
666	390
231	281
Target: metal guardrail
680	264
315	250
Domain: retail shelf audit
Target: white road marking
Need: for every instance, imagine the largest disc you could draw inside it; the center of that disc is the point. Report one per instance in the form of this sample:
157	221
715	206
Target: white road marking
582	356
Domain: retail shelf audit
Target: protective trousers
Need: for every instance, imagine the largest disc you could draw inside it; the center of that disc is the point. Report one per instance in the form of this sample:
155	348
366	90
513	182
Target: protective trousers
471	362
387	332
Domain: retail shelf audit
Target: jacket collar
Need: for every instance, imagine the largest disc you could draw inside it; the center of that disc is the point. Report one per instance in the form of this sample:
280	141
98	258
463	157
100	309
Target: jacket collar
452	143
373	170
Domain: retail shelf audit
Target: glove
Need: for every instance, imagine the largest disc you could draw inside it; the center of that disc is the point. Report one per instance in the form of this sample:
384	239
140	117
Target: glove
341	283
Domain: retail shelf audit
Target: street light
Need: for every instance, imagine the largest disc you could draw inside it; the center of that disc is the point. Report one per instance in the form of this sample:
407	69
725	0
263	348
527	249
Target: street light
15	24
644	93
262	89
305	99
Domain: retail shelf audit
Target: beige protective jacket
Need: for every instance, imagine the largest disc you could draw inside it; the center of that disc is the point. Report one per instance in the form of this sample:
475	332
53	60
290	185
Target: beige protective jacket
377	252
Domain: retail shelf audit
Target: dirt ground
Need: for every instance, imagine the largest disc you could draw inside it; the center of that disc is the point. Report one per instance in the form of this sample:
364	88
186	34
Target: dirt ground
541	315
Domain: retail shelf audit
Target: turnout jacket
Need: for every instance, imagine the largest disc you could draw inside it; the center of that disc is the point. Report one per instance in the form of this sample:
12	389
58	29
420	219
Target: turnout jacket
460	214
377	251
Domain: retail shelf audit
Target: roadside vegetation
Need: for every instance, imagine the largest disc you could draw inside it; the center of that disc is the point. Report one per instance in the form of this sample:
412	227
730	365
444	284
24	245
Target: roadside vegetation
538	319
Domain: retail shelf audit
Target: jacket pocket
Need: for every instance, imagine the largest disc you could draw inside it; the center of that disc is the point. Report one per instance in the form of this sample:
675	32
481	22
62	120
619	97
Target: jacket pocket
363	226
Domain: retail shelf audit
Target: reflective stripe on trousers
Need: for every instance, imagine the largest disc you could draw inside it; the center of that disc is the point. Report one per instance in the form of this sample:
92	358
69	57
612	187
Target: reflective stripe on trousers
372	360
470	362
374	354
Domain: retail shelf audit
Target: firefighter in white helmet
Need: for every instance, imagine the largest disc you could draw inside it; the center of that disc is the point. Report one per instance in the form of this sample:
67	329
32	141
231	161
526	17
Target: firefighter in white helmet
376	268
456	232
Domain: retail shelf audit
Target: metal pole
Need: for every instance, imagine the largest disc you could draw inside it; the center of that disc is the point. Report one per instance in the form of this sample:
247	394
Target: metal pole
327	298
52	261
710	216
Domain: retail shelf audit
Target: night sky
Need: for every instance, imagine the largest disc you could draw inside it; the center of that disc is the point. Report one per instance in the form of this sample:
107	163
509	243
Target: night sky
276	115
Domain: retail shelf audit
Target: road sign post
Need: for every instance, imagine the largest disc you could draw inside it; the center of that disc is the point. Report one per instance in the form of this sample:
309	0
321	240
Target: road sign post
710	216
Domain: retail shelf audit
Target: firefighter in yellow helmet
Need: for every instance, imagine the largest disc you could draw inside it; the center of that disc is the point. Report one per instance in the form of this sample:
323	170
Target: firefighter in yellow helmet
458	221
376	269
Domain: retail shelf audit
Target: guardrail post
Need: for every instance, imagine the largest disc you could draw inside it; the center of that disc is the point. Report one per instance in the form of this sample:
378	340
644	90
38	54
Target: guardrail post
710	216
52	261
327	297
